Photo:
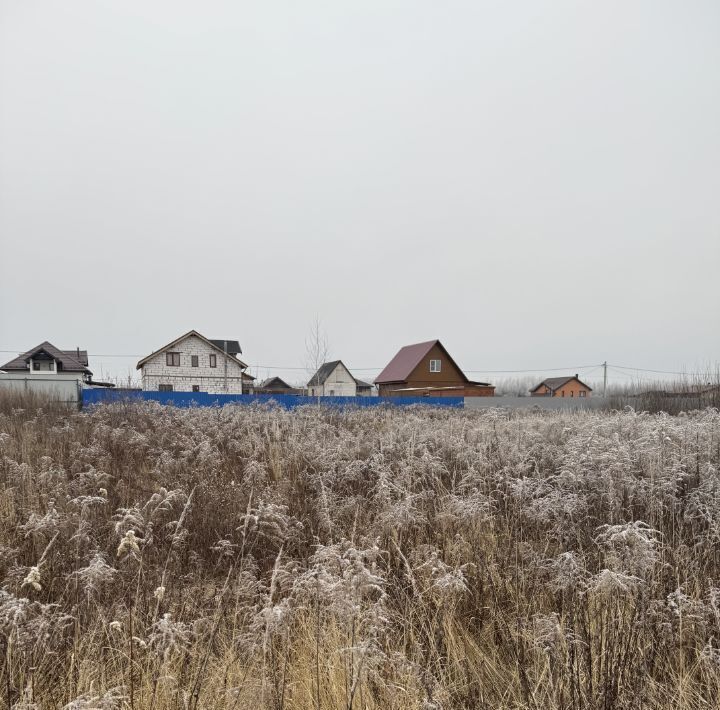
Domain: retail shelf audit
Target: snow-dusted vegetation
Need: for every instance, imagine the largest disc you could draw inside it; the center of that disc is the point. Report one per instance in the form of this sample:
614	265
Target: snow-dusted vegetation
255	558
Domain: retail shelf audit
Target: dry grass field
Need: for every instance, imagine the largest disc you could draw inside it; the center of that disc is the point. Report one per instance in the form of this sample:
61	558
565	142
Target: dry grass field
385	559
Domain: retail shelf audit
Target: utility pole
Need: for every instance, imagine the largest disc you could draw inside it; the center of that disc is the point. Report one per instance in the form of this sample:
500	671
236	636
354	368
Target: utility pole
605	378
225	370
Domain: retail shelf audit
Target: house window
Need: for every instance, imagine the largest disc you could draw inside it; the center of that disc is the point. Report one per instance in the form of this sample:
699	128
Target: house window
332	393
563	393
582	393
196	388
434	365
194	361
165	388
36	365
172	359
213	360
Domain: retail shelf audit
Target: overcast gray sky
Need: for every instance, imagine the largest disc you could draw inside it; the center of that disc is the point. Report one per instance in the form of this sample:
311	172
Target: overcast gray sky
535	183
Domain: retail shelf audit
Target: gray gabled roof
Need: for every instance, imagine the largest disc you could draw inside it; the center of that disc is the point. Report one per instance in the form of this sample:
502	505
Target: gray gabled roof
361	383
80	355
211	343
233	347
69	360
325	370
275	382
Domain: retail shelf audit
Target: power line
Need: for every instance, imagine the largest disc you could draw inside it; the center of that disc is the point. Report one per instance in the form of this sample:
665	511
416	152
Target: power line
540	369
293	367
659	372
577	368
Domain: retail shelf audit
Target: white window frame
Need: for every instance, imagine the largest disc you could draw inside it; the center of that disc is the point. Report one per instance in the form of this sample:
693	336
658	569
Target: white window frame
41	371
438	365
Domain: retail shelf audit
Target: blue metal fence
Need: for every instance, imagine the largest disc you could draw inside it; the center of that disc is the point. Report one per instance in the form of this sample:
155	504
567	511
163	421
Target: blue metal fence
203	399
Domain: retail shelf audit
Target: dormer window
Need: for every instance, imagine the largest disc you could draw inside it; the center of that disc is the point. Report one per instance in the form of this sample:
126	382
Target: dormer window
43	364
435	365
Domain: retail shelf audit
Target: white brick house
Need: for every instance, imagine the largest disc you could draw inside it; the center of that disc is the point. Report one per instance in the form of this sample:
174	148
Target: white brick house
333	379
194	363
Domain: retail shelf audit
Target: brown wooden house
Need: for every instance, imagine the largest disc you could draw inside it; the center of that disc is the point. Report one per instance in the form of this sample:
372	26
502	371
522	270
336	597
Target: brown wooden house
427	370
570	386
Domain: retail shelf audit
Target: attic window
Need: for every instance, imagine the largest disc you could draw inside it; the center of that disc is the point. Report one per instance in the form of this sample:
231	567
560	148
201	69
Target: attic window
172	359
213	360
43	365
434	365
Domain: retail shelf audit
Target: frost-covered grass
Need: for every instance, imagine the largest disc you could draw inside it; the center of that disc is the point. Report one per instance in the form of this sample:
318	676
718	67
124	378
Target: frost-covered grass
254	558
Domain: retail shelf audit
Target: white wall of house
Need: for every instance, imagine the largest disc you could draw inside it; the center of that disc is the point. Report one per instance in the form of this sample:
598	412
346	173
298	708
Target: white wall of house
43	367
340	383
156	371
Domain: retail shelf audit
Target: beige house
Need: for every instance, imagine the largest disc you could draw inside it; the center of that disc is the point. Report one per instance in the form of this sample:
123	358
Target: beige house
194	363
332	379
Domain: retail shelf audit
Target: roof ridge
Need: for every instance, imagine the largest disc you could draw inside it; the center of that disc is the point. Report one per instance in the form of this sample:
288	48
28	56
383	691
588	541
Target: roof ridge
408	358
69	362
182	337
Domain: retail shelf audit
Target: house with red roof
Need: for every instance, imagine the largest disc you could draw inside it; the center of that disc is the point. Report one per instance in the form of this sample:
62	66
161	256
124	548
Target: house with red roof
428	370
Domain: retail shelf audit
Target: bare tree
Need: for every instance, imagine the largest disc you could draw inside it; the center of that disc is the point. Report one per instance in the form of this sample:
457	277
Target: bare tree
316	348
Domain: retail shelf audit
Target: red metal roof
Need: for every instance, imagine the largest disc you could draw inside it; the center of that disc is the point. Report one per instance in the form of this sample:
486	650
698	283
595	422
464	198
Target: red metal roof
406	360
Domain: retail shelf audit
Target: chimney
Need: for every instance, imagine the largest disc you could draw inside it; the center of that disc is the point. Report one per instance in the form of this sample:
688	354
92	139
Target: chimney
576	376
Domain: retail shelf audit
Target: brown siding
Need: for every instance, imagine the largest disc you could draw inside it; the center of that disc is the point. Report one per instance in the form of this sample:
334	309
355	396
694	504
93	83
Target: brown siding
448	375
466	390
423	383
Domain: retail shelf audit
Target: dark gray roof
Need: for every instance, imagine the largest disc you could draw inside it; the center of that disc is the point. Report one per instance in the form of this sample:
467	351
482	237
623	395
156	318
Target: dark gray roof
555	383
324	372
360	383
275	382
67	358
80	355
233	346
